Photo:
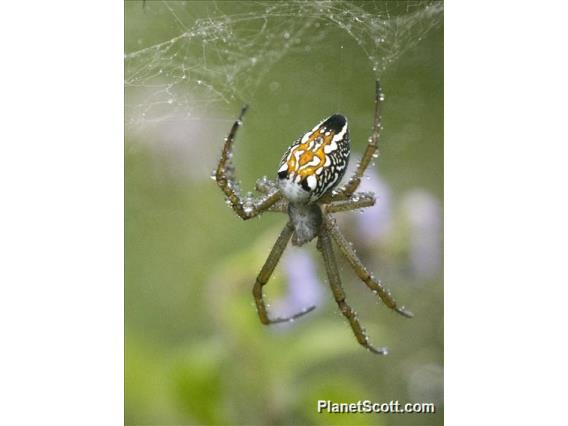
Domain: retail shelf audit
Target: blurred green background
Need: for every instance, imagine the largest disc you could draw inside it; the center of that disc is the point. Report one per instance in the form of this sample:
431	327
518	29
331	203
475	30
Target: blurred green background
195	351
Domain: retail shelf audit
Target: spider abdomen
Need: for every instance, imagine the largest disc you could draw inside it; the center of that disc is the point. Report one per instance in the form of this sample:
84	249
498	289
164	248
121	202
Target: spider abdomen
316	162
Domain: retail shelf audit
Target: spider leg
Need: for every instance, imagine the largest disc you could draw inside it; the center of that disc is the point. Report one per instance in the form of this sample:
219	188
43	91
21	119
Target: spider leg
359	200
265	274
280	207
225	179
265	185
361	271
351	186
324	244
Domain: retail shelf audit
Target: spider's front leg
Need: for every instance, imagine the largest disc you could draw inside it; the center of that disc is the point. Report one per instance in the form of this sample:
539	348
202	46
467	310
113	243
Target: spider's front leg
266	186
225	178
359	200
265	274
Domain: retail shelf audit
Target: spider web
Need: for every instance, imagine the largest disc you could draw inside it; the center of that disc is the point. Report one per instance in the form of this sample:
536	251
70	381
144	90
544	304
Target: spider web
217	54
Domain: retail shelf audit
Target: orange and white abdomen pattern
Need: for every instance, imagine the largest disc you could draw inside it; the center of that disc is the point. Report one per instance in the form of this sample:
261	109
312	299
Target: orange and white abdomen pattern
316	162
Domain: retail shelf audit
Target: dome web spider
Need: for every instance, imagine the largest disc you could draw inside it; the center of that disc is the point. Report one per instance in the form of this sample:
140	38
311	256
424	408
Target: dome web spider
304	189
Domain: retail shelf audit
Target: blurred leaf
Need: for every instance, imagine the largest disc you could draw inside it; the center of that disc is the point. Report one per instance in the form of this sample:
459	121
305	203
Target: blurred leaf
197	382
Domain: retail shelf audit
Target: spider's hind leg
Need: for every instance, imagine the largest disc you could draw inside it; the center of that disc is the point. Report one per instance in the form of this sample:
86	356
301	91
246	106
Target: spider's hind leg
324	245
361	271
265	274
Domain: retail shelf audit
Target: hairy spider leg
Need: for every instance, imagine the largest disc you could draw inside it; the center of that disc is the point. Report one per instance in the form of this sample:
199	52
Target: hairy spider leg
324	244
265	274
265	185
359	200
226	180
280	207
361	271
351	186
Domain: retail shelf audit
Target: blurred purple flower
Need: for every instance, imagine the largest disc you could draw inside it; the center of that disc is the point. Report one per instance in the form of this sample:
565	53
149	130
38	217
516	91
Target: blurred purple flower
304	287
375	222
423	212
372	224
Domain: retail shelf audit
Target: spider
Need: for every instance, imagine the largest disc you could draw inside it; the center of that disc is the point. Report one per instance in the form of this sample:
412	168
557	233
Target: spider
308	174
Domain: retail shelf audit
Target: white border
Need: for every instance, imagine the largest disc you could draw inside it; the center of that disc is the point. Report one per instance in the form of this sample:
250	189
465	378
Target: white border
505	212
61	172
61	232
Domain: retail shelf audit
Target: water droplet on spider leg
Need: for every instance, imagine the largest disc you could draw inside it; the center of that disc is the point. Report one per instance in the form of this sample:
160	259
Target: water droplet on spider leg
248	204
213	175
376	154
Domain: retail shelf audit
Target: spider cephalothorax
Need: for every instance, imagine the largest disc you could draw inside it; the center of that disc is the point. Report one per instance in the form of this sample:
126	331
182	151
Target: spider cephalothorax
304	189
